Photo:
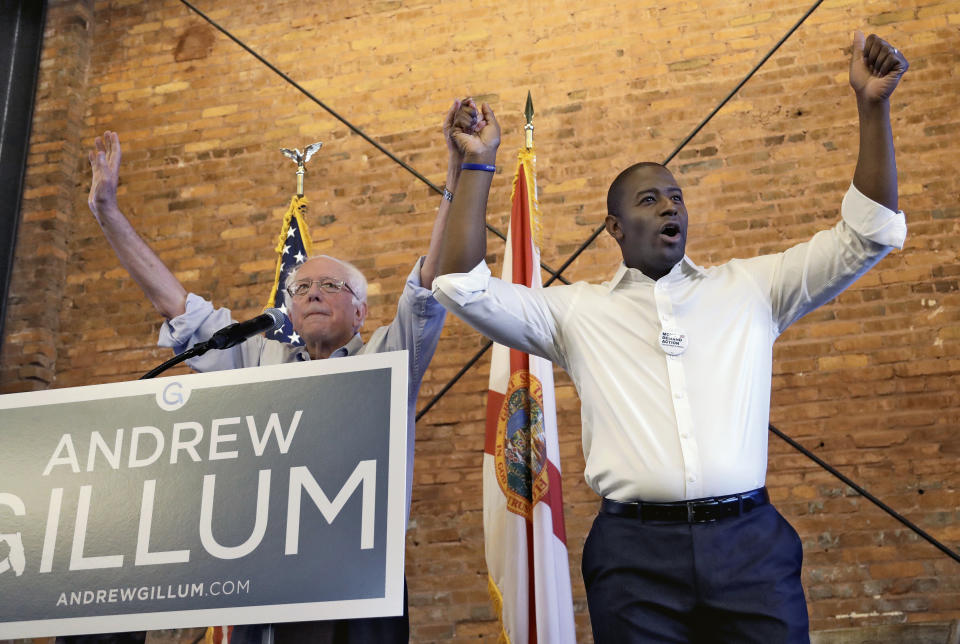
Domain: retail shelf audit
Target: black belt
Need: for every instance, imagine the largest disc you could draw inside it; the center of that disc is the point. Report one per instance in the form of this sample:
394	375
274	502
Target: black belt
694	511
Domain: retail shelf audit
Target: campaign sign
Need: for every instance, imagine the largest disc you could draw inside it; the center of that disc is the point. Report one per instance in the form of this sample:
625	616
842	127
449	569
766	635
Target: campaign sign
248	496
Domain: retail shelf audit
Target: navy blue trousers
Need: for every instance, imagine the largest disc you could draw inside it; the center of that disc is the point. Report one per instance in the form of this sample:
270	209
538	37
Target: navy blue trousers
734	580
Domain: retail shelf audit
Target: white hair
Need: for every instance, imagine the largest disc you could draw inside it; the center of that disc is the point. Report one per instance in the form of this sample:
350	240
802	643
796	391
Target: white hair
354	278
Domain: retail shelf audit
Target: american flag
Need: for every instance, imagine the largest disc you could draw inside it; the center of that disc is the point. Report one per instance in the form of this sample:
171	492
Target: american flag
293	247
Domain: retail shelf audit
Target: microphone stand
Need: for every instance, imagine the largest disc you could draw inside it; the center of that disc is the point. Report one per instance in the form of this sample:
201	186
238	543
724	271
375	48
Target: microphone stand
196	350
225	338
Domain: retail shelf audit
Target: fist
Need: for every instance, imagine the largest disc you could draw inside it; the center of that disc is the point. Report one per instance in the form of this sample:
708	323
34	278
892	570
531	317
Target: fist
876	67
463	116
476	132
468	117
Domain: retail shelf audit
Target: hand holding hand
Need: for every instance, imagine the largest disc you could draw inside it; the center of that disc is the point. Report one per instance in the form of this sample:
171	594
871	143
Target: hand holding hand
105	164
876	67
476	133
462	115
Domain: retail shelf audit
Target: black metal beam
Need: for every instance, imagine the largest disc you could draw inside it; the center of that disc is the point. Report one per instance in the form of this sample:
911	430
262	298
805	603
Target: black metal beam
865	494
353	128
21	39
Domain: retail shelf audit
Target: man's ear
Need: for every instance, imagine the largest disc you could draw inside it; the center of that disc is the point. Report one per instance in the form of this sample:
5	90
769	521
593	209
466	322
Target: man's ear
612	224
360	315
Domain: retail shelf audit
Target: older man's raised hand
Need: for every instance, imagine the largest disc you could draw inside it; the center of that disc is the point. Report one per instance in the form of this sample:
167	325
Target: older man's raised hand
105	166
160	286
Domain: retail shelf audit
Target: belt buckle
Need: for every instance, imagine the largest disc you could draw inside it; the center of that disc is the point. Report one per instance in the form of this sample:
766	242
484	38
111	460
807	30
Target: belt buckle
705	508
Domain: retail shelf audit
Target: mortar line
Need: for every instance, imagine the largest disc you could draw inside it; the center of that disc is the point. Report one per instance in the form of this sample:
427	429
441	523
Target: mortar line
353	128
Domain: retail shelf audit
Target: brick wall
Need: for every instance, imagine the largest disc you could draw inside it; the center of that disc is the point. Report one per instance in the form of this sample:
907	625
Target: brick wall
868	382
32	345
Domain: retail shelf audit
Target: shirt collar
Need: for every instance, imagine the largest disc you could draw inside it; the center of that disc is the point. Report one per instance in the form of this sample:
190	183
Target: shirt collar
683	267
350	348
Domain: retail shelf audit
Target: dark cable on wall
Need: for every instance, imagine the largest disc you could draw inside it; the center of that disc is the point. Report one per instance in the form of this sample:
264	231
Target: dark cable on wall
558	273
353	128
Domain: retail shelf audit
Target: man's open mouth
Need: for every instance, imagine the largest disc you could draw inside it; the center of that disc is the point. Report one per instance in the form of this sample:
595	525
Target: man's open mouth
670	231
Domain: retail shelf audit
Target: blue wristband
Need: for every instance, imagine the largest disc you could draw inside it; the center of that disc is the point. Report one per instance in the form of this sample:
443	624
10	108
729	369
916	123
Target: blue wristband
479	166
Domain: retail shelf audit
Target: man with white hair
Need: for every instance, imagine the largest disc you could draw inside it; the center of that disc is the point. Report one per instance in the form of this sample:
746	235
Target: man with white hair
327	301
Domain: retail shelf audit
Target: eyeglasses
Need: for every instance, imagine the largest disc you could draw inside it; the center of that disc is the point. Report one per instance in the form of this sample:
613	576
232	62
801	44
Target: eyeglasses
326	284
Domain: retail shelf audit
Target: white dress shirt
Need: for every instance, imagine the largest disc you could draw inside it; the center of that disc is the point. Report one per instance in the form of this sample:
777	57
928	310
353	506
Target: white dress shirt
674	375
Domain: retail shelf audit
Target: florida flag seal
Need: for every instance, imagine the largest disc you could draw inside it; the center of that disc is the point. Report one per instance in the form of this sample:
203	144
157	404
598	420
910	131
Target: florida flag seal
521	452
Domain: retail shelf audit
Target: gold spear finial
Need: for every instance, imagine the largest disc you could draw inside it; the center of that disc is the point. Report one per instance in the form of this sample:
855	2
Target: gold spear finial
528	128
301	161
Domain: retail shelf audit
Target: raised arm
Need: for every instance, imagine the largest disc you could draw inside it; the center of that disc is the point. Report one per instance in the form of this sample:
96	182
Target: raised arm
876	67
159	285
464	239
460	115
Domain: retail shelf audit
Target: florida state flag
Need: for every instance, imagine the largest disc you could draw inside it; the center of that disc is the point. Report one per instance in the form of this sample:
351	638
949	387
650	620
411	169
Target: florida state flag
525	539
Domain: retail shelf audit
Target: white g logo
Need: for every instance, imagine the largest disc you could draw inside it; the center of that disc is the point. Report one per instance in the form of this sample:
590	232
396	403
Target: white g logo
173	396
15	559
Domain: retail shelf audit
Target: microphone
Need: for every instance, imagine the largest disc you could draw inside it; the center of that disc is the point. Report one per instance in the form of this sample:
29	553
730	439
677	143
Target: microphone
270	320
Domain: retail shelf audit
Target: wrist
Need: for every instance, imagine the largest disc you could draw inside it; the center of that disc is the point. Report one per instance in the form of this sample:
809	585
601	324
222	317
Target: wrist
453	175
484	158
874	105
104	207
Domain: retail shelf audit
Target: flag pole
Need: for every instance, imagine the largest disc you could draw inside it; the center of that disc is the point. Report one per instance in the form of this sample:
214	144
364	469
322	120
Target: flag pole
528	128
301	160
294	245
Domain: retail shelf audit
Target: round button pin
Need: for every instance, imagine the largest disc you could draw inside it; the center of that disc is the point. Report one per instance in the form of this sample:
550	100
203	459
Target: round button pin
673	342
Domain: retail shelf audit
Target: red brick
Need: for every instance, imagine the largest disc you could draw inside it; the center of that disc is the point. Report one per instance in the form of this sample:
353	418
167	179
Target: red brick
872	375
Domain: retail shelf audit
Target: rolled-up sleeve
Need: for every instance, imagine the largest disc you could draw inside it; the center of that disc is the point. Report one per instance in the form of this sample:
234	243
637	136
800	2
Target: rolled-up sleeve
416	327
511	314
872	220
197	324
814	272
